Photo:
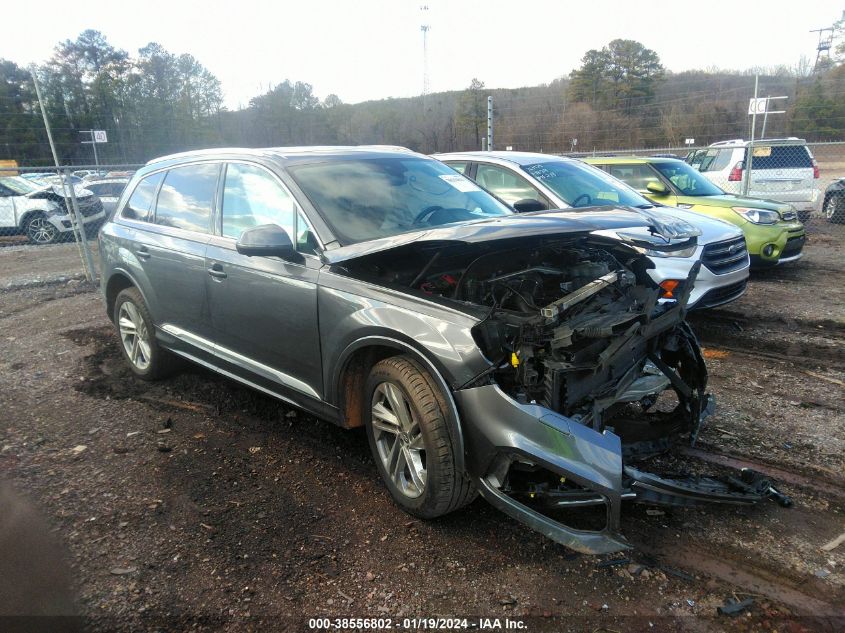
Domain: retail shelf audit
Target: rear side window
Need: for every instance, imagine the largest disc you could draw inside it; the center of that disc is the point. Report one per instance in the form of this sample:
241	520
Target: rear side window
781	157
138	207
715	160
186	197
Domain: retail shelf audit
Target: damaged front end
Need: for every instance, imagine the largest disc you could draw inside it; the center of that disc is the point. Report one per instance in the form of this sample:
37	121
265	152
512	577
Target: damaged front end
588	375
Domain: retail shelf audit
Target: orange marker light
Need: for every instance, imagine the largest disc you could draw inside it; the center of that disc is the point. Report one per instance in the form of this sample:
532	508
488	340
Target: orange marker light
668	286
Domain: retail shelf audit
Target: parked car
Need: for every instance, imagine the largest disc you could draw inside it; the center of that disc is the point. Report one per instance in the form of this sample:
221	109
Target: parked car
514	355
834	201
530	181
773	233
108	191
41	212
56	179
782	170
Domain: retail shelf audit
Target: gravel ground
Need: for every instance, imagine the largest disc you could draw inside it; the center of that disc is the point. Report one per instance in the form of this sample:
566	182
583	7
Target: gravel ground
196	503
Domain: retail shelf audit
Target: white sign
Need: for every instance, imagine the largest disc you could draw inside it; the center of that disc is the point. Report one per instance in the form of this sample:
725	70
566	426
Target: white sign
689	141
459	182
100	136
509	148
757	106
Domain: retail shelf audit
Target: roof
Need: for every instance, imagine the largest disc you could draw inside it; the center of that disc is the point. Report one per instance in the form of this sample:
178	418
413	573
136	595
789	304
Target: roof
738	142
284	153
517	158
617	160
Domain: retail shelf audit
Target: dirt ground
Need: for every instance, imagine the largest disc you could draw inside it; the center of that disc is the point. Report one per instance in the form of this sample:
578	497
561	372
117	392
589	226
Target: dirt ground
194	503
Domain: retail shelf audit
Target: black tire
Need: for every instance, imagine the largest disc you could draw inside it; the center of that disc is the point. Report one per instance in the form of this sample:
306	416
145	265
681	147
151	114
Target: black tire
446	489
39	230
159	362
834	209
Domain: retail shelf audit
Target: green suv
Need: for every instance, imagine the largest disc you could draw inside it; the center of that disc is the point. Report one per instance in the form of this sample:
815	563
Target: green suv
773	233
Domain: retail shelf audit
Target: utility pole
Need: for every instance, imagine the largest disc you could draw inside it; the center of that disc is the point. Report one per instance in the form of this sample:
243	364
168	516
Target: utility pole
490	124
78	226
747	182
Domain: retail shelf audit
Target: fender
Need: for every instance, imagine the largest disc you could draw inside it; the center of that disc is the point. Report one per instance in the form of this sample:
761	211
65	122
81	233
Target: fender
119	270
418	355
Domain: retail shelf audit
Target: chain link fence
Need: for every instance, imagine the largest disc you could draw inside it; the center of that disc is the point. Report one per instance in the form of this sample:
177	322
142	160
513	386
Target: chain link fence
50	218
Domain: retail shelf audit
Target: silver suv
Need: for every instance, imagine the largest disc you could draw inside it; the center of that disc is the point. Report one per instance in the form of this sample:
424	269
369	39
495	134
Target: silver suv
783	170
518	355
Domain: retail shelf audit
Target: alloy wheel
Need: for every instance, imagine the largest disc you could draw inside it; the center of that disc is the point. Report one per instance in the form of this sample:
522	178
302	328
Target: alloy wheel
134	335
40	231
399	439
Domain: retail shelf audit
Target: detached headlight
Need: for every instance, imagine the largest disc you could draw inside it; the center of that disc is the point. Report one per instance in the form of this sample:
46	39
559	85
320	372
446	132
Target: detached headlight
758	216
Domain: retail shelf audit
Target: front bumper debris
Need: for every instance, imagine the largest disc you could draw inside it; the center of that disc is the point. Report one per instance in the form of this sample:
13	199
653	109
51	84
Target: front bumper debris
501	433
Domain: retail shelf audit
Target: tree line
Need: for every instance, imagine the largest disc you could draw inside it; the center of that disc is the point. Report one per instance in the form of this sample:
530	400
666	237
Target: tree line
156	102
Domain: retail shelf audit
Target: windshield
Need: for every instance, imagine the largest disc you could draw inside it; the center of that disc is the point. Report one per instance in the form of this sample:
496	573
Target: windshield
581	185
365	199
17	184
687	180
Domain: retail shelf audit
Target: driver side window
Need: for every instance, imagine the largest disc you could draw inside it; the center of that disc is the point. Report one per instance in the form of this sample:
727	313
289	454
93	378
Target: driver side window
509	186
252	197
635	176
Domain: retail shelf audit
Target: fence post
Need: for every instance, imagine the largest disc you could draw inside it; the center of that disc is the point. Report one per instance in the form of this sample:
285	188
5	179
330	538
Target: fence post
83	239
747	181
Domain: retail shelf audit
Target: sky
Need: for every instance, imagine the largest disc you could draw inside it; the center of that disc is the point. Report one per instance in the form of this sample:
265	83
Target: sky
373	49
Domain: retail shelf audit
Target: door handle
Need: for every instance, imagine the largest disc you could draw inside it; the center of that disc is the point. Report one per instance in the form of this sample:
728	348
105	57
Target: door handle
217	271
143	253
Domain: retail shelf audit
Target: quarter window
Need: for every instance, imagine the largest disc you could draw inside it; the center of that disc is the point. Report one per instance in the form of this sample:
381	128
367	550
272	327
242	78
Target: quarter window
460	167
138	207
186	197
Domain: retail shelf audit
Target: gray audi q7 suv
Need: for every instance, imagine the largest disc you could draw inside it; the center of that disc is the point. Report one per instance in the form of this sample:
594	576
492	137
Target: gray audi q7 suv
525	357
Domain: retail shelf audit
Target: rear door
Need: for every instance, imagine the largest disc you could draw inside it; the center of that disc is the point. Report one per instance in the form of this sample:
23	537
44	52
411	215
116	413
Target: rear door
170	248
264	309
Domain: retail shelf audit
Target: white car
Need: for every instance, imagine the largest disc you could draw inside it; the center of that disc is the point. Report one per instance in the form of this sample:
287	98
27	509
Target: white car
532	182
41	212
108	191
782	169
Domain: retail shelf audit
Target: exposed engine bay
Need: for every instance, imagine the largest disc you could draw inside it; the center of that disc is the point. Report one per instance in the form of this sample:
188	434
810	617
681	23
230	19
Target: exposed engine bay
573	326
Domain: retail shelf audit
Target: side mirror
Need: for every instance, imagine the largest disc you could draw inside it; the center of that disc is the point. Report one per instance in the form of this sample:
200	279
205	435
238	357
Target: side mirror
527	205
266	240
657	187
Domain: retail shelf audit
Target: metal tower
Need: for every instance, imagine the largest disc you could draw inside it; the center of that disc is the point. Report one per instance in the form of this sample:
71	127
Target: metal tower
425	27
824	46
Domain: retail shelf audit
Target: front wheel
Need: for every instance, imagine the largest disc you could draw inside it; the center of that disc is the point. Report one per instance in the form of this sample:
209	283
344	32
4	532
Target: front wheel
39	230
407	427
834	209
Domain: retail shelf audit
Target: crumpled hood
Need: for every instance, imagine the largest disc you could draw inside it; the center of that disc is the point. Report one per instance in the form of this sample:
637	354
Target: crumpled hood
539	224
59	190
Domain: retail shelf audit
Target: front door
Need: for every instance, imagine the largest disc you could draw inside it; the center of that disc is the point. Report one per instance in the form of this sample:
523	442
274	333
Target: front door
264	309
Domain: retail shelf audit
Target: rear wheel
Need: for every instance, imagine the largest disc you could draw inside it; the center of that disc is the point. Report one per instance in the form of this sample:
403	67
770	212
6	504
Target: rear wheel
146	358
407	427
39	230
834	209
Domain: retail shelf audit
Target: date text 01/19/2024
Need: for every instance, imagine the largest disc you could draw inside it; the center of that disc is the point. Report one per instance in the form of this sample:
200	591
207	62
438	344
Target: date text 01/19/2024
416	624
